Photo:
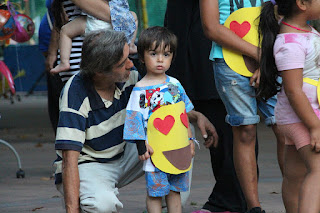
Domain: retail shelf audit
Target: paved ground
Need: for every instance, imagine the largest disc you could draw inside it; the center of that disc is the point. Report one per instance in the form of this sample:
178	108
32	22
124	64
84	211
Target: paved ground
26	126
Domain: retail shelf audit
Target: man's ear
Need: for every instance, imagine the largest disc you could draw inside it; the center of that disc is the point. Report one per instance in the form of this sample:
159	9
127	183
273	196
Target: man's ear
301	4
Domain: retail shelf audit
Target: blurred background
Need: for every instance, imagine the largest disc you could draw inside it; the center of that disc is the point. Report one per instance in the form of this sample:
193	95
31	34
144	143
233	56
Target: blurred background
26	62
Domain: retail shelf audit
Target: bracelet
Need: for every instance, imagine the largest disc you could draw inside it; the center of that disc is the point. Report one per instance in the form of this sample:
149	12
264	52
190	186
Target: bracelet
195	140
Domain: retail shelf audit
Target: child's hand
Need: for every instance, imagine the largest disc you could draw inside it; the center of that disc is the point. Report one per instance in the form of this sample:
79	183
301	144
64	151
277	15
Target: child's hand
315	139
192	148
147	154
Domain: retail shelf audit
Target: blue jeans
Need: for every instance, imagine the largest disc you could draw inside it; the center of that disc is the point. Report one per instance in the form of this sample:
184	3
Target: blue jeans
239	97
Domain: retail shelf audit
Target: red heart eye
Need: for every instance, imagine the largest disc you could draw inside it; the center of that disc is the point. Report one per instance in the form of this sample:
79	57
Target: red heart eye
164	126
184	119
240	29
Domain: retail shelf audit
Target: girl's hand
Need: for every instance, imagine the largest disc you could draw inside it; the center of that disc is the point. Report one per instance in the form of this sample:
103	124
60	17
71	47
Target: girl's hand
192	148
315	139
255	79
147	154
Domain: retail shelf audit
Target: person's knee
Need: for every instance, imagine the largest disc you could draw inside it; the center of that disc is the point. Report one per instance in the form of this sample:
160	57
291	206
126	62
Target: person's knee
247	134
63	30
101	202
294	175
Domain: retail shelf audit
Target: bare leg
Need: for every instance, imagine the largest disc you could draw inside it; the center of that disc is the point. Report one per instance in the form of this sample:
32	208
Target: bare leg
68	31
293	176
280	147
309	197
244	139
153	204
132	46
174	202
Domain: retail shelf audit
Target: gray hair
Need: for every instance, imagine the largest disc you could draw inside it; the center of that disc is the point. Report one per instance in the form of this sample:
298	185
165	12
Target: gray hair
101	50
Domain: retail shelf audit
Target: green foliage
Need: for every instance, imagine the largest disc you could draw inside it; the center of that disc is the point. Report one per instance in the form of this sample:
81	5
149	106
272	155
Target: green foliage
155	9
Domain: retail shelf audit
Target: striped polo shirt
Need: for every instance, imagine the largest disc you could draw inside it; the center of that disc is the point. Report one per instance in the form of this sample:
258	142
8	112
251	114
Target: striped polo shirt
89	124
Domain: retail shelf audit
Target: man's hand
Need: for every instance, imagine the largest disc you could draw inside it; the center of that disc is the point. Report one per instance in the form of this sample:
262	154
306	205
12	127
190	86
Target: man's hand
147	154
255	79
207	129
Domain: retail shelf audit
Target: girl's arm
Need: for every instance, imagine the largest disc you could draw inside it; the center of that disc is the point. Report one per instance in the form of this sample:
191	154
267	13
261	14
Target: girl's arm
220	34
97	8
292	83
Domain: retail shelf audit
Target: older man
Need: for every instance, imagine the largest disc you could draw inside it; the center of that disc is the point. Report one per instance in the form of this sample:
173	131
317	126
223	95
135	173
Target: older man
93	160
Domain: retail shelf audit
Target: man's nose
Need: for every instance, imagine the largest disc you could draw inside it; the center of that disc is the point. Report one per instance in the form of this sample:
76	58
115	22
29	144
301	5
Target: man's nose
129	64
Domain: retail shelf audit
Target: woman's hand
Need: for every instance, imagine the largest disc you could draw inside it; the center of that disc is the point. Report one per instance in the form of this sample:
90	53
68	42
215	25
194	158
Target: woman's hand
207	129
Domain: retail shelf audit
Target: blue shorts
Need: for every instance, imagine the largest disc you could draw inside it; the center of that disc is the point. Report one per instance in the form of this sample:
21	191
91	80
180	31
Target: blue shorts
160	184
239	97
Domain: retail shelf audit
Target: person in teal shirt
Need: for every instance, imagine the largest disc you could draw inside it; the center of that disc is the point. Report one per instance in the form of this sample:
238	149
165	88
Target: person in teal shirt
238	94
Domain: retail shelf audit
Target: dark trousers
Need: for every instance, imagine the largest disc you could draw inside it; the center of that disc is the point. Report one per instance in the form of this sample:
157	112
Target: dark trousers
226	194
55	86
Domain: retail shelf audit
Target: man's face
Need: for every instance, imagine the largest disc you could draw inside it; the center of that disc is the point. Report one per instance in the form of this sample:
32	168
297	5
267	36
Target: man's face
121	71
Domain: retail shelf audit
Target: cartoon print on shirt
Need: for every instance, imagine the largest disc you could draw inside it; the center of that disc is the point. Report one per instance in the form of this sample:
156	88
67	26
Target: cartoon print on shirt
155	98
174	91
240	4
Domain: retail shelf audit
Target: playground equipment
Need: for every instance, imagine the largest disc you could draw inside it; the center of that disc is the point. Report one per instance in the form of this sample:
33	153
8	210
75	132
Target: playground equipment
20	173
20	28
24	25
7	25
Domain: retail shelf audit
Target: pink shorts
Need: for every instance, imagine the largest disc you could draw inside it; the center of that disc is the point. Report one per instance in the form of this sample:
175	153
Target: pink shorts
295	134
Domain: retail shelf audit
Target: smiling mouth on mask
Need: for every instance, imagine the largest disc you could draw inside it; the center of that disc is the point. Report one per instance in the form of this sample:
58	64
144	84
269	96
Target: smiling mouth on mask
179	158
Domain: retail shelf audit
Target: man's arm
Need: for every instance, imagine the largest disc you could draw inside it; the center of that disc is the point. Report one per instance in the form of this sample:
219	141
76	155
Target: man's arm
207	129
71	182
97	8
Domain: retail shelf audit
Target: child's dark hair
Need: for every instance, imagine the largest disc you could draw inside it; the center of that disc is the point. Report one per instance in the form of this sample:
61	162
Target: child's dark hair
268	30
158	36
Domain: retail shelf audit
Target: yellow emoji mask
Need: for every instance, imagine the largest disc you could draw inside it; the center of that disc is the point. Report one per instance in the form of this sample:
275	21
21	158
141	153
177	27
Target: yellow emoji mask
168	136
244	22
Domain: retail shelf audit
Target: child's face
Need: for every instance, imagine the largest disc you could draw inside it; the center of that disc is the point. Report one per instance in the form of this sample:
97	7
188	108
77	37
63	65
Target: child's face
313	9
157	61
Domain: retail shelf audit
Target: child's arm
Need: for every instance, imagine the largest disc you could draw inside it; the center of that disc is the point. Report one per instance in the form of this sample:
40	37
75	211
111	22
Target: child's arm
191	141
222	35
97	8
292	83
144	150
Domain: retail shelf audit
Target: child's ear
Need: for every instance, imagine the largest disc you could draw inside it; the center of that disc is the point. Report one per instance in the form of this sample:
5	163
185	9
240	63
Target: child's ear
301	4
142	61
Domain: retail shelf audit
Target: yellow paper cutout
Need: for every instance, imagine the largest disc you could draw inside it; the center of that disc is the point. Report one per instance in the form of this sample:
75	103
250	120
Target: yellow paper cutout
314	83
176	139
234	59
